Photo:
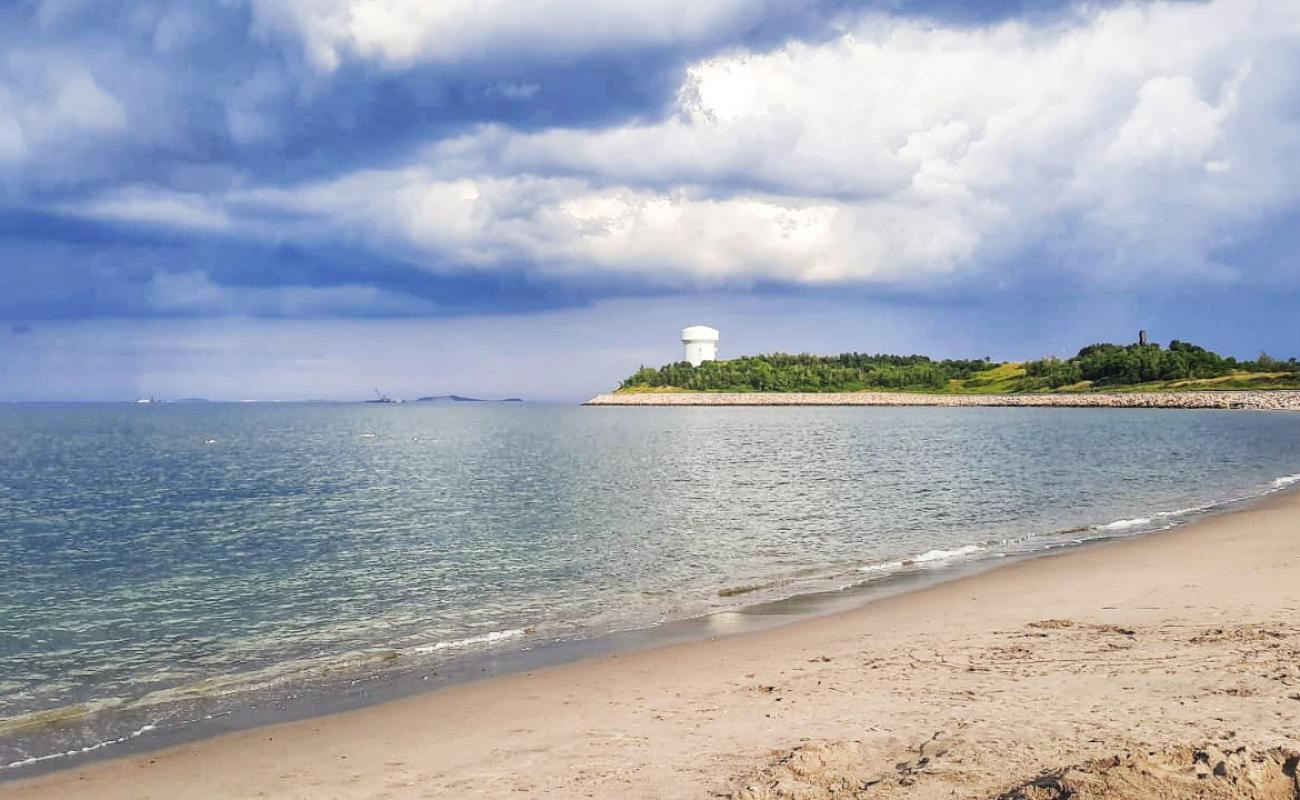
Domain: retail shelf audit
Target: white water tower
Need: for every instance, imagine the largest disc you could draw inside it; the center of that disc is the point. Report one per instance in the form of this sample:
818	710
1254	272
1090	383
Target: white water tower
701	344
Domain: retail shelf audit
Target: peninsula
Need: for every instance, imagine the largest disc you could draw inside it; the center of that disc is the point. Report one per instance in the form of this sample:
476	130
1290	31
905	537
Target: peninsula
1143	375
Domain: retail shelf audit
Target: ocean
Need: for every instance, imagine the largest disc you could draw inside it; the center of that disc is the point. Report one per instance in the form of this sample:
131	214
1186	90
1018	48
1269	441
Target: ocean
172	570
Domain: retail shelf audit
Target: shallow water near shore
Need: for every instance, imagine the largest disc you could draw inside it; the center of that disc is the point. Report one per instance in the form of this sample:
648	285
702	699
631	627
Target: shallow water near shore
172	570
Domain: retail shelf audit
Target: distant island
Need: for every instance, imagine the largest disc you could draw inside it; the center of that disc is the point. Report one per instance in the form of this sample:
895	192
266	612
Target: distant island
1181	367
455	398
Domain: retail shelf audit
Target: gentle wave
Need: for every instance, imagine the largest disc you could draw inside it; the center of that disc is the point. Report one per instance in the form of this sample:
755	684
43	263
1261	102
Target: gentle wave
219	686
90	748
204	690
1124	524
1158	521
63	715
883	566
1282	483
307	669
750	588
928	556
944	555
1183	512
470	641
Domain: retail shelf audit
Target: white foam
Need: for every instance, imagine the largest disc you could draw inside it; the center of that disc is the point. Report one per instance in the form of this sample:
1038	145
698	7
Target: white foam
884	566
1125	524
944	555
26	762
923	558
456	644
1182	512
1282	483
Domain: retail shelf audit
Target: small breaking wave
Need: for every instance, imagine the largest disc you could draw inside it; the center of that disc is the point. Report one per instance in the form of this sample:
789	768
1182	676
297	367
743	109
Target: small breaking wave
1183	512
927	557
212	688
883	566
469	641
1157	521
90	748
1276	485
1284	482
944	555
1124	524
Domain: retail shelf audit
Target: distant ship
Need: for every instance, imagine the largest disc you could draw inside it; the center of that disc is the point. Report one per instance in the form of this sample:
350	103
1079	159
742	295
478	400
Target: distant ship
147	401
380	397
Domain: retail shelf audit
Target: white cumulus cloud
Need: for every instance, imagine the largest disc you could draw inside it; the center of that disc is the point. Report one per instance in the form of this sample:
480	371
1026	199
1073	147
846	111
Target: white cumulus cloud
1120	143
403	32
50	101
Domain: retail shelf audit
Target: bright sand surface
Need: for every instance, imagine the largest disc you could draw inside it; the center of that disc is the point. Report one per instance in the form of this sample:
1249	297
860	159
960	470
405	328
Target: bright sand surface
1165	666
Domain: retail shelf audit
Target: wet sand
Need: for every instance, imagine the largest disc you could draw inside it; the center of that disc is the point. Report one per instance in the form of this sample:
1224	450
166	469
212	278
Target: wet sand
1165	666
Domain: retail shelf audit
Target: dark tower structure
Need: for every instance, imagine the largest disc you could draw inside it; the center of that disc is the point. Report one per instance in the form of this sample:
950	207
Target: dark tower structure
1142	338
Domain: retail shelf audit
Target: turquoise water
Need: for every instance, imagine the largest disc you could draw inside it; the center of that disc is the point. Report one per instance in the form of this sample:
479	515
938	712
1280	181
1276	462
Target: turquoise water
164	564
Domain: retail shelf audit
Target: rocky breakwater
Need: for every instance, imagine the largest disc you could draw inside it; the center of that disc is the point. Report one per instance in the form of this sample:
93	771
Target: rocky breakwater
1259	401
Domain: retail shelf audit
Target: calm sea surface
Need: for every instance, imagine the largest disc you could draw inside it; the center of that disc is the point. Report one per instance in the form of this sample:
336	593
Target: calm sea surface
162	565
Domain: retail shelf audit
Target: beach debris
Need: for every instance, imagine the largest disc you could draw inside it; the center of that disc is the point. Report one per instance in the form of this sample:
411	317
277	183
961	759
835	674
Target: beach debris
1190	773
936	746
1059	624
1240	633
816	771
830	770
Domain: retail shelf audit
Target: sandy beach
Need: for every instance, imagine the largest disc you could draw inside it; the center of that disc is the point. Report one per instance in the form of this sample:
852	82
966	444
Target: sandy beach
1165	666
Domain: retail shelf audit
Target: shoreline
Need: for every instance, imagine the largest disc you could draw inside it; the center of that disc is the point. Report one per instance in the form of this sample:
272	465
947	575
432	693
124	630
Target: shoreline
354	687
1275	400
640	673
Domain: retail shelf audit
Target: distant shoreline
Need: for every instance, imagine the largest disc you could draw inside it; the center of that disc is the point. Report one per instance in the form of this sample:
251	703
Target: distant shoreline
1275	400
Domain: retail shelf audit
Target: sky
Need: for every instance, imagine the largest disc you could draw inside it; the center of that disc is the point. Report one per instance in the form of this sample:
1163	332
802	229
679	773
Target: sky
279	199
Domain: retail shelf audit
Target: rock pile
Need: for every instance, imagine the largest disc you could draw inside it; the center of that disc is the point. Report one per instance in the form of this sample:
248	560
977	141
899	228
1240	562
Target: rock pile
1253	400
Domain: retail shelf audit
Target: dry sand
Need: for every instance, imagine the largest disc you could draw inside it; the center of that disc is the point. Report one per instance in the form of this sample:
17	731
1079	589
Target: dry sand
1161	667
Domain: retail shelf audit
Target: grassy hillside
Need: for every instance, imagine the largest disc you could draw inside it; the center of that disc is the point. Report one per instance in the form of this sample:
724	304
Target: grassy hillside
1096	368
1005	379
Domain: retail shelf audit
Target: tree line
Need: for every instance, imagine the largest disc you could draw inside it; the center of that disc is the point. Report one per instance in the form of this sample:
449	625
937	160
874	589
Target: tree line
783	372
1104	365
1122	365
